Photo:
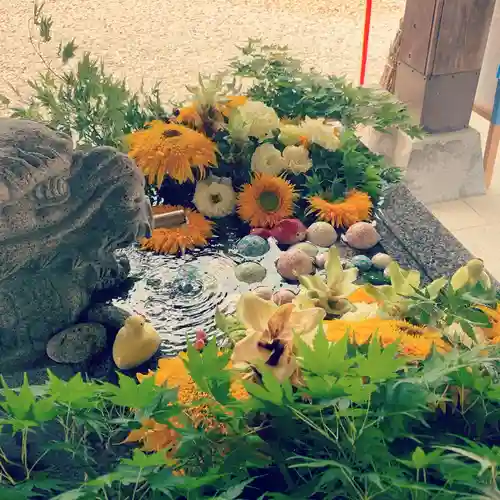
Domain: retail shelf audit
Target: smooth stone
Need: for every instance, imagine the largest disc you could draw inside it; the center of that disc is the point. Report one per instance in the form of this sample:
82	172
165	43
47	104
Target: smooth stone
381	260
362	262
77	343
307	248
375	278
252	246
110	316
250	272
264	292
283	296
321	259
322	234
361	236
293	263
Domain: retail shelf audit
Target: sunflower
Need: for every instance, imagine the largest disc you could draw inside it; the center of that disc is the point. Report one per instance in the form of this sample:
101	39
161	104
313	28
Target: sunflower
266	201
354	208
413	340
170	149
194	233
172	373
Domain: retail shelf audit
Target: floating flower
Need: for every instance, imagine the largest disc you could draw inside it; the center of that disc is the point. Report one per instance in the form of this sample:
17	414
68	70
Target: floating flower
266	201
318	132
354	208
270	334
296	159
290	135
232	102
189	116
194	233
267	160
170	149
172	373
215	197
413	340
253	119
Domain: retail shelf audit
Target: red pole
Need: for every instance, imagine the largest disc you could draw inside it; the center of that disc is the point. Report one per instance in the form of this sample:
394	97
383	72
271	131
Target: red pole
366	36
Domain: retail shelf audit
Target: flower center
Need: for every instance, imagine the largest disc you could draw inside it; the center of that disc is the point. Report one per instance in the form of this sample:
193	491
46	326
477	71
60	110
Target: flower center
276	348
171	133
215	198
269	201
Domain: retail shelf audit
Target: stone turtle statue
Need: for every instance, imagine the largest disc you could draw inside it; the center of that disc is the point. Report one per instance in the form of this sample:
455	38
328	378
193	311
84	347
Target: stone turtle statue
63	214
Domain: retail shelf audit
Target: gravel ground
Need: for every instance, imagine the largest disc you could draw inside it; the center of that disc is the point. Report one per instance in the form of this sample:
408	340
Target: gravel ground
172	41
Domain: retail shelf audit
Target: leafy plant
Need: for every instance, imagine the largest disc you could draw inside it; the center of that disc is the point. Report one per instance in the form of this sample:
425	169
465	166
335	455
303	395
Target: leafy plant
280	82
80	98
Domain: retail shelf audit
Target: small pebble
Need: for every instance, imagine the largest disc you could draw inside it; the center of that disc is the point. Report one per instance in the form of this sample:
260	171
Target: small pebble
362	236
321	259
264	292
322	234
381	260
306	247
252	246
283	296
293	263
250	272
362	262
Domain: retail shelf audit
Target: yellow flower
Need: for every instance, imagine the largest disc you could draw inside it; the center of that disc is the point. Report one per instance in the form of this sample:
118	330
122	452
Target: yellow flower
267	160
215	197
270	334
170	149
290	135
189	115
266	201
413	340
232	102
360	295
318	132
354	208
253	119
362	311
194	233
494	317
172	373
297	159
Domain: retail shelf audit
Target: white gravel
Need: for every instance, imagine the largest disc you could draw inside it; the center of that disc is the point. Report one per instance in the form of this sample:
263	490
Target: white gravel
172	41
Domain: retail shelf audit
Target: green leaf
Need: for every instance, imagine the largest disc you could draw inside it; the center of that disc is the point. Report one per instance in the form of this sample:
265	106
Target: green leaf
132	395
68	51
142	460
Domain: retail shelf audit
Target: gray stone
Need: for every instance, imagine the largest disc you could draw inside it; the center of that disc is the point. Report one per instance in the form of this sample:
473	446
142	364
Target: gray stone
252	246
414	238
77	343
62	216
438	167
112	317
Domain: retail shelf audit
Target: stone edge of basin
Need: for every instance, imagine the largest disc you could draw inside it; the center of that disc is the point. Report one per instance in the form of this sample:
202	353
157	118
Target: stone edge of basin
416	239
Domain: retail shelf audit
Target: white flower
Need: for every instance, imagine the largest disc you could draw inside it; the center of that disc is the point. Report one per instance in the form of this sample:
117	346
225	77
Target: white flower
253	119
297	159
290	134
267	160
215	197
363	311
318	132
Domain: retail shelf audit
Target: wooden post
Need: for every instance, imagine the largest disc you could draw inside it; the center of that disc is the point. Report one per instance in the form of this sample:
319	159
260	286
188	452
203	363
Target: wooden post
492	143
169	220
442	48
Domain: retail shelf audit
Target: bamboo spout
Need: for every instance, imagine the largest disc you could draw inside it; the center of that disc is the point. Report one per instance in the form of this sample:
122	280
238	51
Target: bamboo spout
169	220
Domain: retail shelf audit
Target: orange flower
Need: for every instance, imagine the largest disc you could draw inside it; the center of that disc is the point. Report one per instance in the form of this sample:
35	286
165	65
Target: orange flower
189	116
233	102
194	233
360	295
170	149
266	201
354	208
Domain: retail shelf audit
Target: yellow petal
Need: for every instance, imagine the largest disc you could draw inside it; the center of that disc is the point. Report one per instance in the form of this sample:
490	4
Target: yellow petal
247	351
286	366
308	320
279	321
253	312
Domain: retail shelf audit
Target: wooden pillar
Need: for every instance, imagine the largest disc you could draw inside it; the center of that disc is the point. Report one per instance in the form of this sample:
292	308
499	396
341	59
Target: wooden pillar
442	48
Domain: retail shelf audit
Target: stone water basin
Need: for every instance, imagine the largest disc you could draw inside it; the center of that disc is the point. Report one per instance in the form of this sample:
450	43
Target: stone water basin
179	295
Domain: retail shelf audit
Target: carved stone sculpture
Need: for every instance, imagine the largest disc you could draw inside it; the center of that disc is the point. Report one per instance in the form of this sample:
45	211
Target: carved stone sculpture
63	213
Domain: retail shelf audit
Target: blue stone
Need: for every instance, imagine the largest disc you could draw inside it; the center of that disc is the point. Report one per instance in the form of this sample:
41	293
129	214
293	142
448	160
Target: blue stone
252	246
362	262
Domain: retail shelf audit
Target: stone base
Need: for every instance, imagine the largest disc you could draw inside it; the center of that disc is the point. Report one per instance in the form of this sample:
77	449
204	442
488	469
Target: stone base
438	167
